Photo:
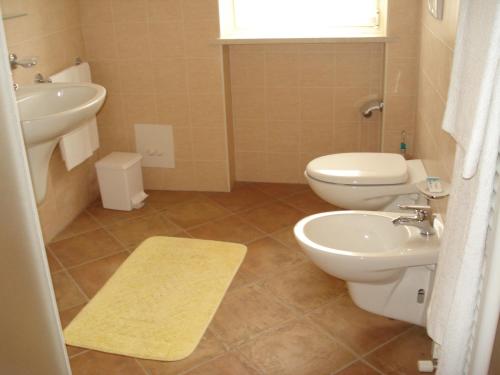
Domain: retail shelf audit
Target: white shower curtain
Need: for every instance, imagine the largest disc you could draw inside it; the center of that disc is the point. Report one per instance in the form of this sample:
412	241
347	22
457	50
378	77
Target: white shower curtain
473	118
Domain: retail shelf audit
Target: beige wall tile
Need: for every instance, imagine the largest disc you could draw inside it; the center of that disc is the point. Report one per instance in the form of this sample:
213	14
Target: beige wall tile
316	104
201	38
282	104
204	76
249	103
130	10
170	75
282	70
100	42
166	39
95	11
206	109
173	109
183	143
164	10
352	70
136	77
131	40
283	167
248	69
317	69
402	77
283	136
211	176
209	144
251	166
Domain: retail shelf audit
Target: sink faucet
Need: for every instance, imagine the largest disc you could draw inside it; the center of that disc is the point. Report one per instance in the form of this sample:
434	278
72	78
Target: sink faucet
423	219
26	63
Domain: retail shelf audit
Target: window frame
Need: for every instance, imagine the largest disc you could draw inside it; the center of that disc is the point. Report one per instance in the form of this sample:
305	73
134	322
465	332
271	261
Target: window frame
230	34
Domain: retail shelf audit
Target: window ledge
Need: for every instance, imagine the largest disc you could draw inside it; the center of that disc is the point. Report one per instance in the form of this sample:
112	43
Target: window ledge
352	39
344	36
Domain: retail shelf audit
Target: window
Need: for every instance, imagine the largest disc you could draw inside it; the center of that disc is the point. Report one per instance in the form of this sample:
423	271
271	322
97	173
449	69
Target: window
296	18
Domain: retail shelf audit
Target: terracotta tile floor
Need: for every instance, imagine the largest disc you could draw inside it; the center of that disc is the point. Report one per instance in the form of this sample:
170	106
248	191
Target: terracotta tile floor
282	315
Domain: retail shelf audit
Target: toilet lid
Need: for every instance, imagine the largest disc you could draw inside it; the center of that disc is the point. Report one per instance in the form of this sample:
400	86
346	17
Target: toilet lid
362	168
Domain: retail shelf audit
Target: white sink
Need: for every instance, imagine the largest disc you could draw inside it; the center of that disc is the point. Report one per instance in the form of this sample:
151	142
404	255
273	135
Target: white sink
47	112
50	110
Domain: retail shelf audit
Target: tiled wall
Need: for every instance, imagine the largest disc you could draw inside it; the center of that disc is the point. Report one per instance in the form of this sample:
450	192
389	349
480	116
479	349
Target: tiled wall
51	32
160	63
437	40
294	102
401	74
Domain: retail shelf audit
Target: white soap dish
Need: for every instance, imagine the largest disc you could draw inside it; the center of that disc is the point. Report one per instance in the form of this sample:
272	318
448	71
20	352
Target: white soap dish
422	187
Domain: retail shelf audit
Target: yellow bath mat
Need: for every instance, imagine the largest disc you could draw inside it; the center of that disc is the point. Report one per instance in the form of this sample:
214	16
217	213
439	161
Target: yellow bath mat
159	303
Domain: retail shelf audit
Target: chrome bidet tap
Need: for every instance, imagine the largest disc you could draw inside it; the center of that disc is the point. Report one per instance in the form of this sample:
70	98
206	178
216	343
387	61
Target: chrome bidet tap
423	219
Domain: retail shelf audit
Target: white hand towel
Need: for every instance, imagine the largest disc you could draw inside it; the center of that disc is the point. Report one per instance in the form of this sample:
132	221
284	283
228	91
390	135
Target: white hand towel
473	119
477	50
76	147
72	149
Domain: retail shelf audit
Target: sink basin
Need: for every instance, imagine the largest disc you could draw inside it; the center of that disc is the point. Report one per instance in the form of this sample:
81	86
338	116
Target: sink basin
50	110
47	112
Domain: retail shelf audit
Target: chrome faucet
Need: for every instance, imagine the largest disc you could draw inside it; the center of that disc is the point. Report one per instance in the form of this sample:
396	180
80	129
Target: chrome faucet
423	219
26	63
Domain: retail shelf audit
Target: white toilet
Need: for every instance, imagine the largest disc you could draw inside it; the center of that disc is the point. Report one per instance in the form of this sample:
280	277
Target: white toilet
366	180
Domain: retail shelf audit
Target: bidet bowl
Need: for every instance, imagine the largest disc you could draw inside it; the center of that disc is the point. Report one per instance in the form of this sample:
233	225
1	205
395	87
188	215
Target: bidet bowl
364	246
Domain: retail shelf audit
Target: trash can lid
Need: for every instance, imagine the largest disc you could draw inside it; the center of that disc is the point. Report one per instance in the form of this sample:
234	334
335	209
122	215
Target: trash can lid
119	160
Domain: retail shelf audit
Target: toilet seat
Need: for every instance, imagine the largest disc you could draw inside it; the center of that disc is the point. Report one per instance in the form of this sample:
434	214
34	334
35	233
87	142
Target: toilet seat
359	168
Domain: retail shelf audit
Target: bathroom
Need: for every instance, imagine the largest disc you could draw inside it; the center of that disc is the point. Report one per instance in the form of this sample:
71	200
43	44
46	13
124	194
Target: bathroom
245	114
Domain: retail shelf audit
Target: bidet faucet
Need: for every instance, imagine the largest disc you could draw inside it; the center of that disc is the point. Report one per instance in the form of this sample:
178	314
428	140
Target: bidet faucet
423	219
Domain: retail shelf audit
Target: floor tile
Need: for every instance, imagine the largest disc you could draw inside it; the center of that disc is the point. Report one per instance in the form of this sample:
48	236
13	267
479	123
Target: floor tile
66	317
357	328
161	199
358	368
243	277
245	312
266	256
132	232
228	364
401	355
195	212
208	348
231	228
97	363
272	217
106	217
279	190
92	276
81	224
54	264
304	287
240	198
286	237
84	247
308	202
67	292
297	348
